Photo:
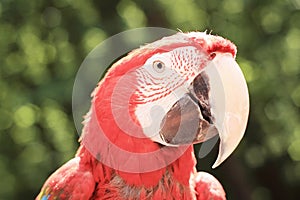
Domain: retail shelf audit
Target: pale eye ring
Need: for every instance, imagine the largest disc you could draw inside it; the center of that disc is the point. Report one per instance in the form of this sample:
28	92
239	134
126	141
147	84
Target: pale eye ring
158	66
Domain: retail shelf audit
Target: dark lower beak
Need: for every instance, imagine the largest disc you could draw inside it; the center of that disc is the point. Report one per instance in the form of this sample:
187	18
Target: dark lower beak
190	120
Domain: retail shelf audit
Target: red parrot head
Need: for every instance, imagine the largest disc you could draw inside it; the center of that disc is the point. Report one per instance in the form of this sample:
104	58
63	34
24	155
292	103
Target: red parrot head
180	90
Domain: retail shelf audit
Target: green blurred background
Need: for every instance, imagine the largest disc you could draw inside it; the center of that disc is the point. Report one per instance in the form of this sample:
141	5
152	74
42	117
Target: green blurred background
43	42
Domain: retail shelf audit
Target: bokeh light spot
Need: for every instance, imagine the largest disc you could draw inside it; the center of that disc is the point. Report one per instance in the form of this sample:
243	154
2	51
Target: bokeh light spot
92	38
293	39
26	115
271	21
294	150
233	6
23	136
131	14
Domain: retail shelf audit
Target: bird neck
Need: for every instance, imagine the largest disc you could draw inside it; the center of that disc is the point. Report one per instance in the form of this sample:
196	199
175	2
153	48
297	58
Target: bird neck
142	158
176	178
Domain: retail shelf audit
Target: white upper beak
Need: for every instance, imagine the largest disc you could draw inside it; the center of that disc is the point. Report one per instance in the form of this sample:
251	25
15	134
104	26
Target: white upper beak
229	103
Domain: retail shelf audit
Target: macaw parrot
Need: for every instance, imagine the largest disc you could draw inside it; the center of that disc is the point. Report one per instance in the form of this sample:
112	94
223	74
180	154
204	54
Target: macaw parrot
146	114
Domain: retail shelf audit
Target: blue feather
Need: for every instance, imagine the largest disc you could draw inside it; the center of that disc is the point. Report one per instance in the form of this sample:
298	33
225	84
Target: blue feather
45	197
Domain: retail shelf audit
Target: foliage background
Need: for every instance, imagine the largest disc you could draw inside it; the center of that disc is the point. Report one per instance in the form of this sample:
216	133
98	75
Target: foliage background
44	42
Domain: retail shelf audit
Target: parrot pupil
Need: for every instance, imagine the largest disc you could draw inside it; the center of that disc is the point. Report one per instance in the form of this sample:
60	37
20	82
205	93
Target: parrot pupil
159	65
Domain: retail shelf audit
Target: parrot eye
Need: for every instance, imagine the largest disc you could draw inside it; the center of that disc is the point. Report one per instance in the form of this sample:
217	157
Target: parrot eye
158	66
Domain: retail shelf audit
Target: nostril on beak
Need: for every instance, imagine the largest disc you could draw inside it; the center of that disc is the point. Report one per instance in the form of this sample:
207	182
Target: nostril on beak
212	55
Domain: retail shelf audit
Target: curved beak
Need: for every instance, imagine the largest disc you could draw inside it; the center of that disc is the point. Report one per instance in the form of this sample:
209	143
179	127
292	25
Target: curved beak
217	103
229	100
